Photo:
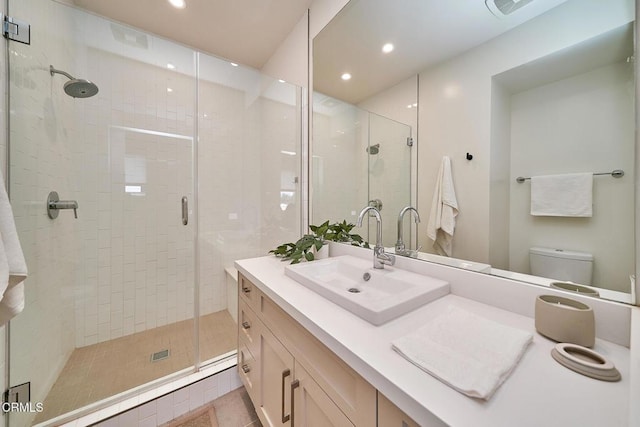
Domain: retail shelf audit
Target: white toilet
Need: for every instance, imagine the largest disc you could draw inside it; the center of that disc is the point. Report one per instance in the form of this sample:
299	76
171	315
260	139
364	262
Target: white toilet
563	265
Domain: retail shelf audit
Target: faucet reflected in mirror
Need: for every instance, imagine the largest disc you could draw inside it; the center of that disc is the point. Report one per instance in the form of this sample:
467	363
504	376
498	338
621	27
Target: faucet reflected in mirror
380	257
400	246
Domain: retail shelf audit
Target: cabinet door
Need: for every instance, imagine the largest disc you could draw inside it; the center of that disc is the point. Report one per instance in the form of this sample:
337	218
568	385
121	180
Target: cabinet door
311	407
276	375
389	415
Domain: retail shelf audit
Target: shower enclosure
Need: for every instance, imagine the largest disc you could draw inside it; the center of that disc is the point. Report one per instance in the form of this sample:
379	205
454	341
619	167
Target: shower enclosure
179	164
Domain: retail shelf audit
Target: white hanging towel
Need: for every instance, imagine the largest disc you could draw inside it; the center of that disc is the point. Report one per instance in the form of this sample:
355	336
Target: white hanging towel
444	210
13	268
470	353
562	195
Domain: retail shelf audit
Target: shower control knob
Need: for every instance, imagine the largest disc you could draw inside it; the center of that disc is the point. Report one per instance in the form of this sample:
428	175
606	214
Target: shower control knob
54	204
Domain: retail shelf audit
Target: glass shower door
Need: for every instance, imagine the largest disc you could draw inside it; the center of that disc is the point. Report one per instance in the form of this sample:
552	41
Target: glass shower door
249	144
110	295
366	156
389	176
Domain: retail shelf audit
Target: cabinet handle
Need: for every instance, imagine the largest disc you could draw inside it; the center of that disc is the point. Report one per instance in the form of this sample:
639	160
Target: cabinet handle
185	210
246	290
285	374
294	386
246	368
246	325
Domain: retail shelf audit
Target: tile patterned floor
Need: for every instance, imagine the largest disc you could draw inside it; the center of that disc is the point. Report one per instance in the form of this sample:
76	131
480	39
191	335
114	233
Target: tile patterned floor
101	370
234	409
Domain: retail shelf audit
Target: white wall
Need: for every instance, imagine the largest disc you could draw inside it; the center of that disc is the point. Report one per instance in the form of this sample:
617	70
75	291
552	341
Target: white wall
579	124
291	61
455	110
393	103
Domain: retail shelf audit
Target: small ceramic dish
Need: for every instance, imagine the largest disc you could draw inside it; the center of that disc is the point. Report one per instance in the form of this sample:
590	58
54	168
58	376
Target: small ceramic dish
585	361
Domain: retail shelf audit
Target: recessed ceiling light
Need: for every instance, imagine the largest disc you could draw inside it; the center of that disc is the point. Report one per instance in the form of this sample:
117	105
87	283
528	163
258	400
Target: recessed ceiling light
281	81
233	64
169	90
387	48
171	66
346	76
178	4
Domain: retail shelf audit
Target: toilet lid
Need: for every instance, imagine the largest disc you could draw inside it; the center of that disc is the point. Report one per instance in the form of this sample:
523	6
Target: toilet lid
585	361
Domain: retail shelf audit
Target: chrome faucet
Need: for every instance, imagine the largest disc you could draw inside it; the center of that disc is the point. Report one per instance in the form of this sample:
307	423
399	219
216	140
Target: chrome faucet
380	258
400	248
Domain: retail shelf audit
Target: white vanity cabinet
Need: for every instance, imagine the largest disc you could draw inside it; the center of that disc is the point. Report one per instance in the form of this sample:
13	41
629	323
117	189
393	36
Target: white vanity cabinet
343	364
291	377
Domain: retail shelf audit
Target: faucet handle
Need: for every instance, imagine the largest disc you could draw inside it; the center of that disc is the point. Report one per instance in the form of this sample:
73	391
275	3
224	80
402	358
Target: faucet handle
382	257
388	259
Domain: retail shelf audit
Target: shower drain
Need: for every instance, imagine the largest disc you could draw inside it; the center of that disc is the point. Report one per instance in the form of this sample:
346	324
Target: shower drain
160	355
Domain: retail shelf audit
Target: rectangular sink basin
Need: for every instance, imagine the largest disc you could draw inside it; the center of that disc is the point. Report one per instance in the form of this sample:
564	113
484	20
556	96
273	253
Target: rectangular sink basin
375	295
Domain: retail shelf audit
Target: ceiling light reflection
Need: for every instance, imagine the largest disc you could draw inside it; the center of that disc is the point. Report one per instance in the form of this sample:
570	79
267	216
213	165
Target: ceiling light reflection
178	4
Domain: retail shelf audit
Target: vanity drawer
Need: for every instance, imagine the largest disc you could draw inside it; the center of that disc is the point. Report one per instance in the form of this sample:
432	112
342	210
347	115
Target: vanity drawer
248	370
248	292
350	392
248	327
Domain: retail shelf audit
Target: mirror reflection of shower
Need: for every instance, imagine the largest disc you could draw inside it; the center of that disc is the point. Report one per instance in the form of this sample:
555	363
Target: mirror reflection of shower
373	149
77	88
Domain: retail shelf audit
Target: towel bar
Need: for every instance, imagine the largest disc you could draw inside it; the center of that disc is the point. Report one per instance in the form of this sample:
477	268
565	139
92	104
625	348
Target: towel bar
618	173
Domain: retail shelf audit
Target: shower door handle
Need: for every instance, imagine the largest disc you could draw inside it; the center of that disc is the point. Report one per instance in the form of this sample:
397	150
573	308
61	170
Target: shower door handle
185	210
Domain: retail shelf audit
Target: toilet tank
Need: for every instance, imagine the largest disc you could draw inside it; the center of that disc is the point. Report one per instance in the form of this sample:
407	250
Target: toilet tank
560	264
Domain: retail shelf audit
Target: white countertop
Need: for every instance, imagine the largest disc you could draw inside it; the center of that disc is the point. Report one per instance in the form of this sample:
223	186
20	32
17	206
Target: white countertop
540	392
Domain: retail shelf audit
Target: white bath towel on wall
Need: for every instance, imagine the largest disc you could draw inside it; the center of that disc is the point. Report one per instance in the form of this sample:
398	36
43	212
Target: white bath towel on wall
562	195
13	268
444	210
472	354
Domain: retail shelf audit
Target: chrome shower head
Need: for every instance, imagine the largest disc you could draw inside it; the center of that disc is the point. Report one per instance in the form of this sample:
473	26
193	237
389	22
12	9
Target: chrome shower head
373	149
77	88
80	88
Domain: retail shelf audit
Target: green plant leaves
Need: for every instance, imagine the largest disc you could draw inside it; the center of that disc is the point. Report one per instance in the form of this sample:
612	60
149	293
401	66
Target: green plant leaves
321	234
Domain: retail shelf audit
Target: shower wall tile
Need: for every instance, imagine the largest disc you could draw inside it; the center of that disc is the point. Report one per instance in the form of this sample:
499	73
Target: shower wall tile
132	274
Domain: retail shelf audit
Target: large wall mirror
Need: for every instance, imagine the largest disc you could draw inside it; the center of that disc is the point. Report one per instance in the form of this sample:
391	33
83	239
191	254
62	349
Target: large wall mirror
505	89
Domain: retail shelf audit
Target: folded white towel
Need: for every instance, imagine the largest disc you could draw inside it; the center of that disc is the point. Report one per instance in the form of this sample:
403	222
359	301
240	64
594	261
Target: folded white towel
562	195
444	210
13	268
472	354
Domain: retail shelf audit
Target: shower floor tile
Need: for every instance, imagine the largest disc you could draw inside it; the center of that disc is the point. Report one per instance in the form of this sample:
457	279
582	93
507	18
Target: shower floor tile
101	370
